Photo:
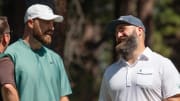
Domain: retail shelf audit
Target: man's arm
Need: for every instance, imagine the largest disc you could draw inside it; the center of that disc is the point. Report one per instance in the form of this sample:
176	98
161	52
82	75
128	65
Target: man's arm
64	98
9	93
173	98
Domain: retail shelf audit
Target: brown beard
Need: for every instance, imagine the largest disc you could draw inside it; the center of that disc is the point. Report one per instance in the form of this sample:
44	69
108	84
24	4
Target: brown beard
127	46
45	39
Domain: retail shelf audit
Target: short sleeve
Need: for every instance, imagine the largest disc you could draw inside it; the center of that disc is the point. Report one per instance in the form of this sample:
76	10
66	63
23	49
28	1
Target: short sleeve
65	85
6	71
104	94
170	80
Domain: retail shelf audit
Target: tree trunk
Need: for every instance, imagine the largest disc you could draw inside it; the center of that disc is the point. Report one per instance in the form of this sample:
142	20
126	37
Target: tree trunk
144	10
60	34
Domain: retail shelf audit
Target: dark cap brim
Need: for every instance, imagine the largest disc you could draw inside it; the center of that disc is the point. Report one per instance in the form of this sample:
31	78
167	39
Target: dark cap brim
112	25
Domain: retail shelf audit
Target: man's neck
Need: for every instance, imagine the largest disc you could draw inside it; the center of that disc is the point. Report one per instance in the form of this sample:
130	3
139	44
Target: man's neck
134	56
33	43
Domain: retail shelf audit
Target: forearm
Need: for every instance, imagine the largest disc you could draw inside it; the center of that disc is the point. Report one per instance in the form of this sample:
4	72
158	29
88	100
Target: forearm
9	93
173	98
64	98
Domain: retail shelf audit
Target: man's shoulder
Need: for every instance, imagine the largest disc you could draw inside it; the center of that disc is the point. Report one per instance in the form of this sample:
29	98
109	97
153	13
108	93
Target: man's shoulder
158	57
111	69
160	61
13	49
3	55
14	45
6	58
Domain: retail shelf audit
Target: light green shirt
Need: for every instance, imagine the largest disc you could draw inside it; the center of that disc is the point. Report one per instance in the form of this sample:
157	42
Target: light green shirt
40	74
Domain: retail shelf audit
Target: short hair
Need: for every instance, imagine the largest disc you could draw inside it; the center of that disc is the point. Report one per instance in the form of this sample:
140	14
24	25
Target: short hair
4	26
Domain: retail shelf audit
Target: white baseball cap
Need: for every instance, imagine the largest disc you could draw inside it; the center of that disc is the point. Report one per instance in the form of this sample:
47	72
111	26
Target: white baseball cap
43	12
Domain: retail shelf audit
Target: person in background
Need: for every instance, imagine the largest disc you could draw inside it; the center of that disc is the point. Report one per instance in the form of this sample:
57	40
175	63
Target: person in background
140	74
39	72
7	84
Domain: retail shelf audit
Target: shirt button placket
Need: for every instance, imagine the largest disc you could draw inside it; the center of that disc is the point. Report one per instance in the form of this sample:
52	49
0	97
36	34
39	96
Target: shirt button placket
128	77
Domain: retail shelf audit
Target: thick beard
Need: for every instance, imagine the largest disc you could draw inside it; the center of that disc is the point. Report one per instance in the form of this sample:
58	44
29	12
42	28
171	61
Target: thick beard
44	39
127	47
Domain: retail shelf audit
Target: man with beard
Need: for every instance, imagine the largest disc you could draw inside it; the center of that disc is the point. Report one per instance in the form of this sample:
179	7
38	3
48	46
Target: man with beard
140	74
39	72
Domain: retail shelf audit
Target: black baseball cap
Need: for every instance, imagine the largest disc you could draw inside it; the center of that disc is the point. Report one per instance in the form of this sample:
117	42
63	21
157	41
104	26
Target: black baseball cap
129	19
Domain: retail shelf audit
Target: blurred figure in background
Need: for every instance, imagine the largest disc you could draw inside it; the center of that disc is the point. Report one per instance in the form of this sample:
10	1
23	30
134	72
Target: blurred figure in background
7	83
140	74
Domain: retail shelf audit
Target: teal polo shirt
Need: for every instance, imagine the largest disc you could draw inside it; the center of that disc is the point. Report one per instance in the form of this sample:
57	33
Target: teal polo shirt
39	74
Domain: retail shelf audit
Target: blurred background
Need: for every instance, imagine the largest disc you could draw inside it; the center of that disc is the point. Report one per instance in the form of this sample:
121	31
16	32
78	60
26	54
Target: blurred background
85	46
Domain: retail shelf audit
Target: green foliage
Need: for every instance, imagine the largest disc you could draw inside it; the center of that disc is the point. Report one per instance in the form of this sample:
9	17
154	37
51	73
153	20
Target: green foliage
159	46
167	25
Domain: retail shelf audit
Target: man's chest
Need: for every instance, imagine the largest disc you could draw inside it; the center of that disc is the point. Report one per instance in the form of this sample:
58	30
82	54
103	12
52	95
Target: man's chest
146	77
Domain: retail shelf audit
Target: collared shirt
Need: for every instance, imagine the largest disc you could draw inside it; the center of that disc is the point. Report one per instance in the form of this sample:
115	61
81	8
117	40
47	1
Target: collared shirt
151	78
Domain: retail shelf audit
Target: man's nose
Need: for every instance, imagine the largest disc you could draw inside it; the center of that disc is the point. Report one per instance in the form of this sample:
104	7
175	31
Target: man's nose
119	34
51	26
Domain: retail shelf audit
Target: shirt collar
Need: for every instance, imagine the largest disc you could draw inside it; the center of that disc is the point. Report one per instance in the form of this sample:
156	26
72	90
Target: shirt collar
144	56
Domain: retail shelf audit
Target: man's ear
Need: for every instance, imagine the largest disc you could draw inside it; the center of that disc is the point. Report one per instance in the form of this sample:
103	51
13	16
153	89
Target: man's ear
30	23
140	31
6	39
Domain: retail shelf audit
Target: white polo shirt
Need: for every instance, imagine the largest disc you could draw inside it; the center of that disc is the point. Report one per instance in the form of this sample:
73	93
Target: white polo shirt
151	78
